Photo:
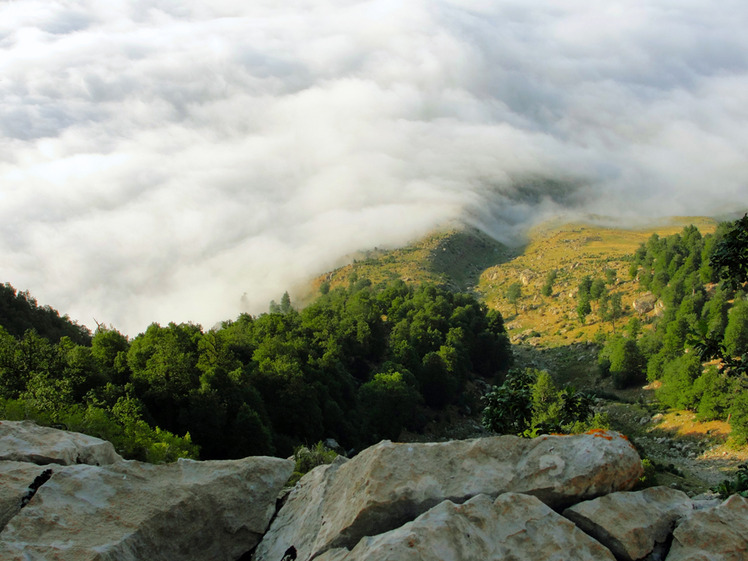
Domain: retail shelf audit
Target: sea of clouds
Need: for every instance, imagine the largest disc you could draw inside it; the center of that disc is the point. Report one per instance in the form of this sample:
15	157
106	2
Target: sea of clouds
160	159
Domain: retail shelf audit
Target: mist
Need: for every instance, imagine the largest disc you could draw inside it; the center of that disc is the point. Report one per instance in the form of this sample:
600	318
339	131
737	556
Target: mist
165	161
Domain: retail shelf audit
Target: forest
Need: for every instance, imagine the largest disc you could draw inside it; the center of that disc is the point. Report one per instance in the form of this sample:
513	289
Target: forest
358	364
694	349
363	362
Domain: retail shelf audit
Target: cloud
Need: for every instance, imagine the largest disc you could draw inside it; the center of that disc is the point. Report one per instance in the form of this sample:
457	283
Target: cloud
160	160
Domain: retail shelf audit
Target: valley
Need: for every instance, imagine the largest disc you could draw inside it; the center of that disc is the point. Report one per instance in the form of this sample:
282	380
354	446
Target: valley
546	333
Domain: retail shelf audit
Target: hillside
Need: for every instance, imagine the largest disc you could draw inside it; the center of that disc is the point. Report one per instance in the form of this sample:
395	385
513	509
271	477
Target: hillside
573	251
547	332
455	258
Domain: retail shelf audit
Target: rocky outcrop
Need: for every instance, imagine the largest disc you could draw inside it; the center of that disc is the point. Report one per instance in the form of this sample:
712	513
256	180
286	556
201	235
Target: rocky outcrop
25	441
716	534
390	484
632	525
129	510
488	498
514	526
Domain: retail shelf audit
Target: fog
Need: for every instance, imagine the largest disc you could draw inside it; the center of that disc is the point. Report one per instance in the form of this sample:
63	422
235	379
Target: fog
159	160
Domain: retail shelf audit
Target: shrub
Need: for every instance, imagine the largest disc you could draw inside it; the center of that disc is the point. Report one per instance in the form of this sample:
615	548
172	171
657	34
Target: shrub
309	458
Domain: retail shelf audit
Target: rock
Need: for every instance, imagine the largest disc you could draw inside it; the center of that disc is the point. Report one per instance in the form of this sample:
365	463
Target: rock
716	534
18	483
708	499
25	441
631	524
514	526
130	510
390	484
645	303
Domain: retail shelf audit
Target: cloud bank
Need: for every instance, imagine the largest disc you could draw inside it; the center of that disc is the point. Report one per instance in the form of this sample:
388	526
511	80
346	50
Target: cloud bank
160	159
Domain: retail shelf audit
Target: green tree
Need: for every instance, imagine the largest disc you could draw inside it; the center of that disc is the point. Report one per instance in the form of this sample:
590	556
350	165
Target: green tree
730	255
550	278
678	378
509	407
624	361
583	306
389	404
736	333
514	294
597	288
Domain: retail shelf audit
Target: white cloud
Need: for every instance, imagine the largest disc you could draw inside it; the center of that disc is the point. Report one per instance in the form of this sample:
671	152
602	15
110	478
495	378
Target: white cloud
160	159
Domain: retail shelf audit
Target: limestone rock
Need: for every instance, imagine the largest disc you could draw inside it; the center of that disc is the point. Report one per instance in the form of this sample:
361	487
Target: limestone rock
514	526
716	534
630	524
18	482
390	484
25	441
131	511
645	303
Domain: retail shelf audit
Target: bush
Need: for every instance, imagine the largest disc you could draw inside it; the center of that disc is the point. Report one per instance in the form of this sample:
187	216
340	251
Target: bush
739	485
309	458
508	408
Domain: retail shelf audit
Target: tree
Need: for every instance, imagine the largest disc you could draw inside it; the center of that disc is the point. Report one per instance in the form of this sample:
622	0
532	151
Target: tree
615	310
547	289
736	333
513	294
583	299
597	288
388	404
626	363
508	408
583	306
285	304
730	255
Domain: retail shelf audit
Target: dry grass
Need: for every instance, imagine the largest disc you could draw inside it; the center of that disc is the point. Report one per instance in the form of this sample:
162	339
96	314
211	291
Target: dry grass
573	251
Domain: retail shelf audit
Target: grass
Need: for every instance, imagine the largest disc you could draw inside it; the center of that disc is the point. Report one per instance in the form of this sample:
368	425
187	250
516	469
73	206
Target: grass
573	251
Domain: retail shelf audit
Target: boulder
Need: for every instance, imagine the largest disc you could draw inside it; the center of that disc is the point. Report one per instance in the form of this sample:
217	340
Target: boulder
645	303
631	524
18	483
390	484
25	441
716	534
514	526
132	511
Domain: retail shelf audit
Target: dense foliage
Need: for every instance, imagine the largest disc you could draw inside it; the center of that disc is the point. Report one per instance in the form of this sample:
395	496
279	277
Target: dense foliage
529	403
20	312
696	346
357	365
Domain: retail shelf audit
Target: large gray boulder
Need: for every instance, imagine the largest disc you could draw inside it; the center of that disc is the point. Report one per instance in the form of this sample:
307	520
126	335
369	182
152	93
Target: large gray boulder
130	511
513	526
390	484
714	534
632	524
25	441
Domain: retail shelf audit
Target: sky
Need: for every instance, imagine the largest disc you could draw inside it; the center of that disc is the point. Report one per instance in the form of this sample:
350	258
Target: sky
187	161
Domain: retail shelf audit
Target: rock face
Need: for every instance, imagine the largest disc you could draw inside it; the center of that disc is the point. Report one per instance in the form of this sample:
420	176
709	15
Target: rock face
130	510
24	441
632	525
716	534
390	484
